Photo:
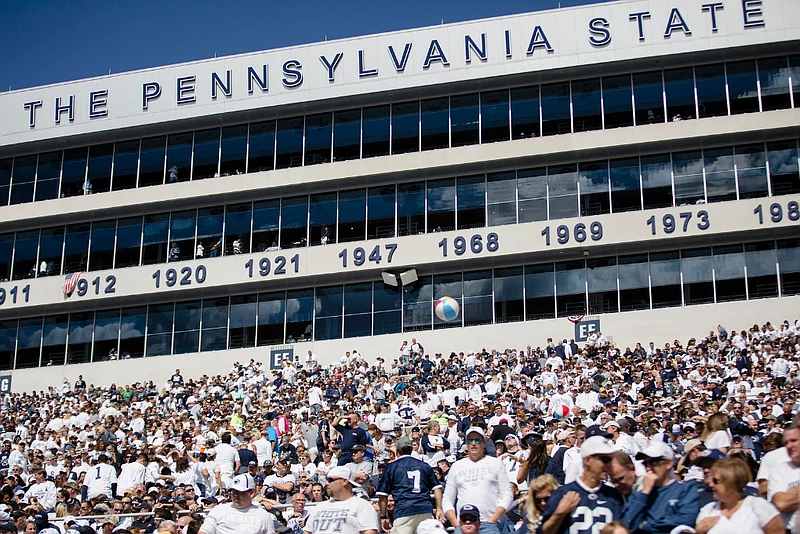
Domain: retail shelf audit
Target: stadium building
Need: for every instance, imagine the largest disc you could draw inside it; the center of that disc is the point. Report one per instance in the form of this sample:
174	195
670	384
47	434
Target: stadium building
629	167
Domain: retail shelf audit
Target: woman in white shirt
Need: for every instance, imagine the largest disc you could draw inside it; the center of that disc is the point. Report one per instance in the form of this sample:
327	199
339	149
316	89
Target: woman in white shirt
733	513
716	434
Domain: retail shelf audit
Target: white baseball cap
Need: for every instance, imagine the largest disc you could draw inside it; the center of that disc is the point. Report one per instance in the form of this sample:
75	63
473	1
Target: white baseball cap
475	430
244	482
656	449
342	472
596	446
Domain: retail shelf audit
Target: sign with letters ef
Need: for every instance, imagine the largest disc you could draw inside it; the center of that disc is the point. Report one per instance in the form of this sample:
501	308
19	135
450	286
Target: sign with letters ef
276	357
584	328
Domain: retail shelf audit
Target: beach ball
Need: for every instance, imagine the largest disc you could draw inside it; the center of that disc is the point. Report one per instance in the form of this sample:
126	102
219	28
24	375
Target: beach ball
560	412
447	309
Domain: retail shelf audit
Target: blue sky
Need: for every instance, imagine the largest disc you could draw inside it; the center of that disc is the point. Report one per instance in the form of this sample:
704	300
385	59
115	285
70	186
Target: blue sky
47	41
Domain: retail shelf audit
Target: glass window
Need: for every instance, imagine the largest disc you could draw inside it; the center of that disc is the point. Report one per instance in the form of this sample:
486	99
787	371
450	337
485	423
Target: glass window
182	228
243	321
471	202
129	241
789	265
688	170
54	340
665	278
237	228
601	278
8	342
729	273
388	315
743	87
99	171
266	215
151	171
26	248
209	232
540	292
323	218
625	191
294	222
405	127
586	110
773	76
617	101
76	248
79	345
206	154
262	147
442	205
23	179
478	298
501	198
656	181
634	284
101	253
187	327
794	72
494	116
131	332
532	190
214	335
358	310
346	134
179	157
595	197
711	98
762	274
375	131
106	334
74	173
155	248
562	185
751	170
435	124
271	315
299	315
418	305
720	176
648	94
697	268
328	305
448	285
571	288
233	158
319	136
509	295
159	329
411	208
783	171
6	254
6	166
352	215
48	176
126	165
679	88
555	109
464	119
380	212
51	247
29	341
525	112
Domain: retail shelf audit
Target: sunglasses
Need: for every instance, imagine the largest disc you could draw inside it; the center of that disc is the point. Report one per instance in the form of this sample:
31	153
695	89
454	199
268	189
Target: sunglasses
469	519
333	479
542	499
653	462
474	440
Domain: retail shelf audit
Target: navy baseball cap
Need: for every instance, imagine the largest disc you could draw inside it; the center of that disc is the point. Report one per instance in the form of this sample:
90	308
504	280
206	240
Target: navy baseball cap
469	510
709	457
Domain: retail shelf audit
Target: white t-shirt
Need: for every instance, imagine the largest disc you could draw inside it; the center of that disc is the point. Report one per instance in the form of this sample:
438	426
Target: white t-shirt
131	474
718	440
226	459
783	477
227	519
342	517
751	517
99	479
483	483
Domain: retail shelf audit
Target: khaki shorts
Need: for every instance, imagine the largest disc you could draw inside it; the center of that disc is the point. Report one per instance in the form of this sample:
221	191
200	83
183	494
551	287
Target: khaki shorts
408	524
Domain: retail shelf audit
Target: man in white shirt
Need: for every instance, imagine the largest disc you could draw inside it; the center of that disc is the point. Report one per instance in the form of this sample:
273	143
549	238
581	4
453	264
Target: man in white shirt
227	460
344	513
101	479
43	490
587	398
240	515
132	473
783	480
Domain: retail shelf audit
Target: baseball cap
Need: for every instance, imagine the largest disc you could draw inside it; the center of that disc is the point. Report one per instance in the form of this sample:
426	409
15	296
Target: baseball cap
596	446
359	447
252	464
267	463
469	510
691	444
430	526
475	430
403	442
342	472
610	424
41	518
656	449
709	457
564	434
596	430
243	482
209	500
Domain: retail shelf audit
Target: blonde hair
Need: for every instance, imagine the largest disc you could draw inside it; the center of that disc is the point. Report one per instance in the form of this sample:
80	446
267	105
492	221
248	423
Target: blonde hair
540	483
733	473
717	422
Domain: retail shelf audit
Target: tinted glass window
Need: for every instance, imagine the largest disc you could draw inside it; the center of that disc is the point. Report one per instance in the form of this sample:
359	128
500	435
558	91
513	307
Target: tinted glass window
464	119
50	251
405	127
571	288
601	279
773	76
262	147
76	248
294	222
555	109
525	112
418	305
323	219
352	215
209	232
8	342
751	170
595	197
23	179
5	179
729	273
762	277
299	315
783	171
156	228
358	310
265	225
697	268
720	177
435	123
182	228
99	172
289	151
25	250
441	205
380	212
101	254
411	208
54	340
79	344
129	239
586	105
347	135
106	335
237	228
679	88
6	255
131	332
328	305
688	171
563	191
617	101
471	202
126	164
478	298
271	316
187	327
448	285
388	302
532	190
151	171
206	154
494	116
214	335
540	292
656	181
501	198
74	173
179	158
48	176
234	150
376	132
625	190
648	93
318	138
711	97
29	340
243	321
634	293
743	87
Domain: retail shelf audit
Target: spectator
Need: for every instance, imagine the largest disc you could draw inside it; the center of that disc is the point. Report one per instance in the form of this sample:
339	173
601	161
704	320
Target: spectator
229	517
344	513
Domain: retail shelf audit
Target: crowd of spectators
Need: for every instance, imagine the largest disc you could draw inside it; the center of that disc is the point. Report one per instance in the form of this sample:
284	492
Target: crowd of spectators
701	435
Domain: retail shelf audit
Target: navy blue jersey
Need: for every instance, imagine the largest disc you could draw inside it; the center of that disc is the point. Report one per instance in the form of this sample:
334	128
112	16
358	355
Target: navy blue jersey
410	482
406	412
596	509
